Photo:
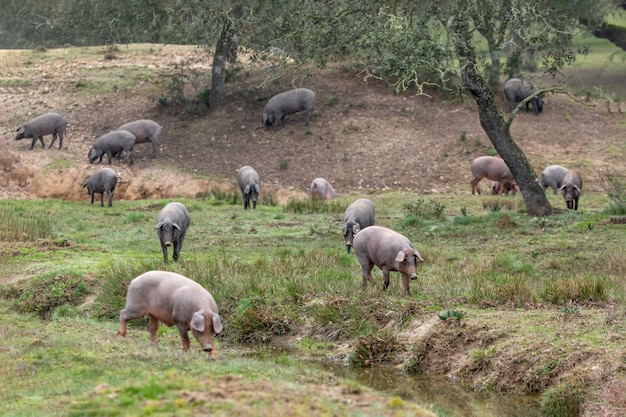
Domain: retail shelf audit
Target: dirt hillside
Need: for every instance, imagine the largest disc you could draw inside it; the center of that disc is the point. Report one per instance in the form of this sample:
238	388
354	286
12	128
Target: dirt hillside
362	136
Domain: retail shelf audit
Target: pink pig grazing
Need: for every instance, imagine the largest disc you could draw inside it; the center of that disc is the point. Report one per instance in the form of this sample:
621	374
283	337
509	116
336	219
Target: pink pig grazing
494	169
172	299
390	251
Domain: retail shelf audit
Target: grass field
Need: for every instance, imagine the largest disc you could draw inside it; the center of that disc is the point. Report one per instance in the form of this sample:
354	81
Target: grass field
283	271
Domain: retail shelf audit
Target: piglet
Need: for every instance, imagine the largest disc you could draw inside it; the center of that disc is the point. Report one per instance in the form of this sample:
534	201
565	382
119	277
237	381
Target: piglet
172	299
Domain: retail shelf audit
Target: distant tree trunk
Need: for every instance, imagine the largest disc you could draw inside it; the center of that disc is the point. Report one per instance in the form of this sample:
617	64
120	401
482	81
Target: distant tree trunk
534	197
218	71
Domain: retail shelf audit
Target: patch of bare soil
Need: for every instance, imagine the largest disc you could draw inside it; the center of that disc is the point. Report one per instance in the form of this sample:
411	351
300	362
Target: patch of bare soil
362	136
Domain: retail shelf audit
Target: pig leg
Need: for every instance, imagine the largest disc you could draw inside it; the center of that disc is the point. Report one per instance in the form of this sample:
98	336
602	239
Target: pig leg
102	199
405	284
122	330
110	198
164	248
176	251
386	277
126	315
475	186
153	326
92	197
184	336
366	272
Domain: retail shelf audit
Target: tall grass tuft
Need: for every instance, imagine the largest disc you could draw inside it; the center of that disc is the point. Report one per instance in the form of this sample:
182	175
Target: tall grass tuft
560	401
499	289
563	290
19	225
308	206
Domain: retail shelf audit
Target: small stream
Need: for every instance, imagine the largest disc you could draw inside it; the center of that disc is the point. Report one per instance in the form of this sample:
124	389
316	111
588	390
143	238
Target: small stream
444	396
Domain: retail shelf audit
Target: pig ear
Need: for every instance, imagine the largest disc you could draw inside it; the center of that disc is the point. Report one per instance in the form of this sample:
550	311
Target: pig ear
562	186
247	189
344	229
418	256
257	188
197	322
217	324
577	188
356	228
176	226
400	256
158	226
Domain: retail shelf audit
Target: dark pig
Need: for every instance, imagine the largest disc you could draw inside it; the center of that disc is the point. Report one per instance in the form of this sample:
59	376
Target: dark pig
388	250
572	187
112	144
321	189
249	183
515	91
359	215
46	124
172	223
172	299
102	181
288	102
145	131
494	169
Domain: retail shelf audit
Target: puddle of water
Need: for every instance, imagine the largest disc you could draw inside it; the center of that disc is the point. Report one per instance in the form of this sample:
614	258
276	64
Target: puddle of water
446	397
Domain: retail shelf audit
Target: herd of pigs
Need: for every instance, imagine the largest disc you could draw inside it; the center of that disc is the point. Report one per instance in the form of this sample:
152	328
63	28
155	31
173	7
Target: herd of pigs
173	299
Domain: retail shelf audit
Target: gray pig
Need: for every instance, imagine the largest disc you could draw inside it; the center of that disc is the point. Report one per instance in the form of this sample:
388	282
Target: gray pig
494	169
113	143
46	124
321	189
102	181
572	186
390	251
172	299
359	215
288	102
552	177
172	223
249	183
515	91
145	131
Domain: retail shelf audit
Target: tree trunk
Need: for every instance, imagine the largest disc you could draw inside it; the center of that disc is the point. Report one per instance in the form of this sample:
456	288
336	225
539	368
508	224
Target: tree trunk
218	71
534	197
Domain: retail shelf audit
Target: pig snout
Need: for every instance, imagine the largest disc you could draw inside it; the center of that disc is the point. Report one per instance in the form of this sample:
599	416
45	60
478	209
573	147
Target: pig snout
413	277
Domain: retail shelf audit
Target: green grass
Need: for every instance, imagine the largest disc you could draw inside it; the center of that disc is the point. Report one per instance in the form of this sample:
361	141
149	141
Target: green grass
276	270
